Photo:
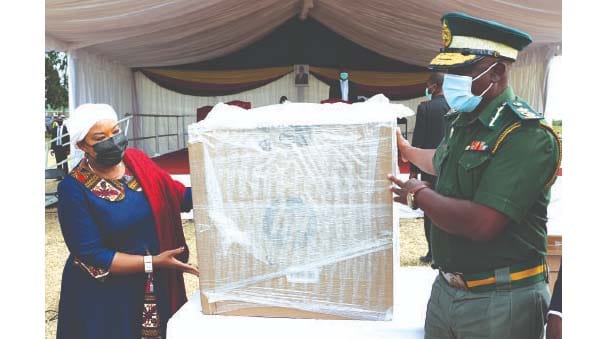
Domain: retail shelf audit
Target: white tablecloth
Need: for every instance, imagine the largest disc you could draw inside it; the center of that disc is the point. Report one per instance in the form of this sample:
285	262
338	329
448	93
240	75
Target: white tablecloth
412	290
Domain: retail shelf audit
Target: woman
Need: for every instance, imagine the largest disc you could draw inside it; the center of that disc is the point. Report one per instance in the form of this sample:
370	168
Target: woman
120	218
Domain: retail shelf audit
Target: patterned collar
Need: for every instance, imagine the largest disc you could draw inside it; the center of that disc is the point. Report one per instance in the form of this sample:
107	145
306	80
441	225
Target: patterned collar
109	189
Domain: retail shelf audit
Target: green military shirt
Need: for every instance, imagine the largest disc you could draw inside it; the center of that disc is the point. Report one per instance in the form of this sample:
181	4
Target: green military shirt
513	178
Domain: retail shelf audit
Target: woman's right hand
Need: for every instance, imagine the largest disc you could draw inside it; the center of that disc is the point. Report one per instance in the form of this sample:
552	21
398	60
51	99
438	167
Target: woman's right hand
167	260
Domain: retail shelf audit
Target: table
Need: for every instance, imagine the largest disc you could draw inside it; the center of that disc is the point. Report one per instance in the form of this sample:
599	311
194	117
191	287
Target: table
412	290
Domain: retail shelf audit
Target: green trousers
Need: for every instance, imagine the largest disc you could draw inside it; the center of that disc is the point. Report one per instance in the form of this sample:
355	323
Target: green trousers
506	313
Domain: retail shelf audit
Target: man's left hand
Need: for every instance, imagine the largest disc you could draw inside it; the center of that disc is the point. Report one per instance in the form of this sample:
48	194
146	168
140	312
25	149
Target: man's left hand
401	188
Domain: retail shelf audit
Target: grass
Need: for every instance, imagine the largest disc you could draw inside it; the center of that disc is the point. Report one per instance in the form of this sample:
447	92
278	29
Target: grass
413	243
412	246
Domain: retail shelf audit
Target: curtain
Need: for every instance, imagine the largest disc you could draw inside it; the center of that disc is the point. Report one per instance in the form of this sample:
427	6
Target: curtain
94	79
395	85
210	83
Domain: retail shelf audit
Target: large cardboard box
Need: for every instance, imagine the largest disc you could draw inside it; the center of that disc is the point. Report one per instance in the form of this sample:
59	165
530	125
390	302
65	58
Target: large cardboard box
293	211
553	259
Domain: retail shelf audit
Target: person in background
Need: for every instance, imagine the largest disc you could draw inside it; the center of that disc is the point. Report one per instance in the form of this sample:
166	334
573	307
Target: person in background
284	100
60	147
120	218
427	134
344	89
494	169
554	326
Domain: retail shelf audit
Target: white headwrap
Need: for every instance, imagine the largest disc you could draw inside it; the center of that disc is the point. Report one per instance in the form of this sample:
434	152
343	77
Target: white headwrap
80	122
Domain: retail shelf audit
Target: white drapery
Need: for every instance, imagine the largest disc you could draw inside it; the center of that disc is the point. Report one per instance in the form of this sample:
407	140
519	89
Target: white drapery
554	90
170	32
529	74
95	79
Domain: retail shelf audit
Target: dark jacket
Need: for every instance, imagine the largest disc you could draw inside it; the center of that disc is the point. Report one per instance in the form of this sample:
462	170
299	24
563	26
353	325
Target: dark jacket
65	139
335	91
430	124
556	301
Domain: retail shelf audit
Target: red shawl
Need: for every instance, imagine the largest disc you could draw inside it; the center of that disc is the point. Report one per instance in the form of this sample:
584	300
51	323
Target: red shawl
164	195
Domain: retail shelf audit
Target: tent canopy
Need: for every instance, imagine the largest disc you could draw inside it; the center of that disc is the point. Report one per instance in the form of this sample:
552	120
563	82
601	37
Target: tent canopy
171	32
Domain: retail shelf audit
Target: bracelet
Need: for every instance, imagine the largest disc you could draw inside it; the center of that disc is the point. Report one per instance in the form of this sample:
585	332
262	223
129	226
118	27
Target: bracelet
411	201
147	264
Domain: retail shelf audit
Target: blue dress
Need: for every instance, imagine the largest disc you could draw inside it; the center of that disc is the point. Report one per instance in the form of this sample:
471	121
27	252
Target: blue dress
94	229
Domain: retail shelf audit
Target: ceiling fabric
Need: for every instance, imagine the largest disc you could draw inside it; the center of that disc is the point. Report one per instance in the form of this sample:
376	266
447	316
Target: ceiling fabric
172	32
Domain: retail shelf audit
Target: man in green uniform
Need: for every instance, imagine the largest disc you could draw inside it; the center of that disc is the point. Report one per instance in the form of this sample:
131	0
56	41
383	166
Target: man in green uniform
495	167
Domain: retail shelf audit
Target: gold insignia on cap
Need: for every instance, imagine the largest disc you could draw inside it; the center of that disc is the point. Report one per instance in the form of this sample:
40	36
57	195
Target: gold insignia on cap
448	59
446	34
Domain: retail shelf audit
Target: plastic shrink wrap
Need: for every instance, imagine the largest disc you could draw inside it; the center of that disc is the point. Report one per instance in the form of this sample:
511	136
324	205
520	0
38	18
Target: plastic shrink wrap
293	211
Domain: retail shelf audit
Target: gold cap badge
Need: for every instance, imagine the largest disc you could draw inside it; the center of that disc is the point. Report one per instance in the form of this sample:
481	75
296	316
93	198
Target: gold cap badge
446	34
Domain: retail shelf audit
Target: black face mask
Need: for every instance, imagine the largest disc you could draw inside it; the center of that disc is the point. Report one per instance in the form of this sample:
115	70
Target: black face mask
110	151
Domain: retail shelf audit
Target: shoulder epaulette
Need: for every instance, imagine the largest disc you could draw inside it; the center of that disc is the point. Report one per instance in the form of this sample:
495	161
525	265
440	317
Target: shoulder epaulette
451	113
523	110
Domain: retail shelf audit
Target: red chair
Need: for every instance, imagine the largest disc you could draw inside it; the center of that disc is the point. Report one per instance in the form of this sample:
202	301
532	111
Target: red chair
202	112
243	104
333	100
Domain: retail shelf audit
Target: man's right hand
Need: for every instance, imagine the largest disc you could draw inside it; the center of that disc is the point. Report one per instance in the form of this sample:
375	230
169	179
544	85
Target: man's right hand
403	145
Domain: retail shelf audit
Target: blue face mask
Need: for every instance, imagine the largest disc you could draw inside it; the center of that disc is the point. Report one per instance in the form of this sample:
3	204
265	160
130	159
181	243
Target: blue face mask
458	91
343	76
428	94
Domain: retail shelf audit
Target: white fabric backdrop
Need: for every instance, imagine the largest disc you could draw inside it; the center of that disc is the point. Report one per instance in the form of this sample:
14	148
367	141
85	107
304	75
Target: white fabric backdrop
170	32
95	79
